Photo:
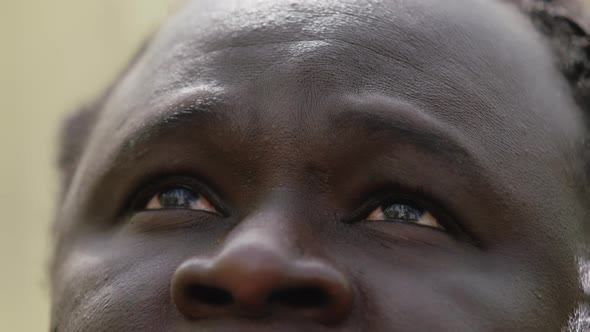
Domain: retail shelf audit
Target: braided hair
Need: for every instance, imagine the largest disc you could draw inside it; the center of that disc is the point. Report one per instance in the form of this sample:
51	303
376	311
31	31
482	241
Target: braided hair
567	27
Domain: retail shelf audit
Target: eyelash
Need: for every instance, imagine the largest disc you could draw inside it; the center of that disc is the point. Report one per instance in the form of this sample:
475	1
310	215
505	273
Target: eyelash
385	196
142	196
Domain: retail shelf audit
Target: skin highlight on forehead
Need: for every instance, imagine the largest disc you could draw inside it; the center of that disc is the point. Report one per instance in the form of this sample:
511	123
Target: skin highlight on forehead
298	118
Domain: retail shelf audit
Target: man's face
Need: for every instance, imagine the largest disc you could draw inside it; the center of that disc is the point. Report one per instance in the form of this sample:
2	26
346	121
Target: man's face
329	166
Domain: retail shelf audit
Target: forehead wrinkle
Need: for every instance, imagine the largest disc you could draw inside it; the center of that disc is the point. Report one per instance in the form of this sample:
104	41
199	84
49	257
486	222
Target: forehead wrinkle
377	21
234	24
284	27
296	49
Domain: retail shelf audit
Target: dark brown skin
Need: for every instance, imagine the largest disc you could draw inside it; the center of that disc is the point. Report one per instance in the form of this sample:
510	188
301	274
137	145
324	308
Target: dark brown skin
296	120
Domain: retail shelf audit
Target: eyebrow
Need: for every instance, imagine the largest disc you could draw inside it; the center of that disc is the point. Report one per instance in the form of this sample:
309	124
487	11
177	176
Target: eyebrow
199	112
406	125
392	123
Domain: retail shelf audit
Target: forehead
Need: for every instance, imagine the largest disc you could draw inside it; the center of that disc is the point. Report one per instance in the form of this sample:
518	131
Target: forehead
450	51
473	61
214	43
476	67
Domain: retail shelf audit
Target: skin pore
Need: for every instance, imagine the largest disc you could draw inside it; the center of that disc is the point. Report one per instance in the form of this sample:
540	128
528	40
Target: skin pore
403	165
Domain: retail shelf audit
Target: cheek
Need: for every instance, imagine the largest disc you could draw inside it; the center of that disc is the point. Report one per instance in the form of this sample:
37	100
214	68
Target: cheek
122	286
425	291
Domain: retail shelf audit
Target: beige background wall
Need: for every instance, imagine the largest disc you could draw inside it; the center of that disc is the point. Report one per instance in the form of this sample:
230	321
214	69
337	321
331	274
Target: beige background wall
53	55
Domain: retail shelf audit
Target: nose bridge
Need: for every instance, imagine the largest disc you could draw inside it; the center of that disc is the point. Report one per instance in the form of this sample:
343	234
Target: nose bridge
273	228
282	222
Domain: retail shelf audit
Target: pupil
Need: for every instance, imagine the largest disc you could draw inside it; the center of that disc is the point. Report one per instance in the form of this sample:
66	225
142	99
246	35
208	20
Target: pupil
177	198
402	212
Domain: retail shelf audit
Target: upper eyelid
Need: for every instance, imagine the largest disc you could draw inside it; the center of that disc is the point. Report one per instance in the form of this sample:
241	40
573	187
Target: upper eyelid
405	202
447	219
145	192
378	197
383	196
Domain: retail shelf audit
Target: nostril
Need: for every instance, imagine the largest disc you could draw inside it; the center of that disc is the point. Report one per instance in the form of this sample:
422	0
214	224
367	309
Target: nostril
212	296
255	283
300	297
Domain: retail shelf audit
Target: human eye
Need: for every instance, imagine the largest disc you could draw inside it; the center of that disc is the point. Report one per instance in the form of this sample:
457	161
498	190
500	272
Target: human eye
173	201
404	211
178	197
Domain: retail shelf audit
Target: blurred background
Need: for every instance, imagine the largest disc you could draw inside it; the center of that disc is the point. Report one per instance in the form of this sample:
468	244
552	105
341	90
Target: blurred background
54	55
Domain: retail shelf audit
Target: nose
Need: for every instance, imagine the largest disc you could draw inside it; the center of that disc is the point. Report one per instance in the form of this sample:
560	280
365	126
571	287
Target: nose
253	280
